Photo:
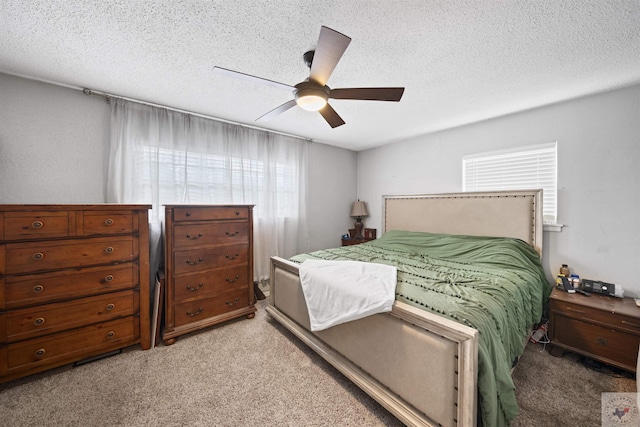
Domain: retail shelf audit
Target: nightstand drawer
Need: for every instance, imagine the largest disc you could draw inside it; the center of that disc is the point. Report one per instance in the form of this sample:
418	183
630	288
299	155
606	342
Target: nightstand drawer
594	315
597	340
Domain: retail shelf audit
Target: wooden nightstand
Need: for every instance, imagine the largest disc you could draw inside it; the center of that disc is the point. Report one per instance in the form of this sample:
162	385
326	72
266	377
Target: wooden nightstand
369	234
349	242
601	327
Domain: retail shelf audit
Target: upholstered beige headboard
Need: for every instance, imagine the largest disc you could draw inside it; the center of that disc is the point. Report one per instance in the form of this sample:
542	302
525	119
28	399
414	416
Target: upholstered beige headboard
515	214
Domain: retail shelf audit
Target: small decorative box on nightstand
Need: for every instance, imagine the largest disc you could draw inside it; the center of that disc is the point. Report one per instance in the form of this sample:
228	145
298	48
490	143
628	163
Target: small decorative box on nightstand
601	327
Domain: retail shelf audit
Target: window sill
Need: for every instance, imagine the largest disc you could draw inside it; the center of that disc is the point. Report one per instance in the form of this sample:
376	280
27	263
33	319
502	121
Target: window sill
552	227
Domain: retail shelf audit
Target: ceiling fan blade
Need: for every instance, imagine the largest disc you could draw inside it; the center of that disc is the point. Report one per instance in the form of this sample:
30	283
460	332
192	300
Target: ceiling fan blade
276	111
331	116
331	46
368	93
250	78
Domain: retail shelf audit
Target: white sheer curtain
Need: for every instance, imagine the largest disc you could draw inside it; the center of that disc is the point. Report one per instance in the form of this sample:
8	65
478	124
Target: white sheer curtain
158	156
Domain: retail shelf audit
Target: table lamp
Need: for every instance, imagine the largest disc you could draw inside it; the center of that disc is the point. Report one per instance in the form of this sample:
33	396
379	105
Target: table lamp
359	211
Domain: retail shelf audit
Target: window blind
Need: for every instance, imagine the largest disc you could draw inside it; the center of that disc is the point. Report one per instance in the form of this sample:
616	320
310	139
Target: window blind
524	168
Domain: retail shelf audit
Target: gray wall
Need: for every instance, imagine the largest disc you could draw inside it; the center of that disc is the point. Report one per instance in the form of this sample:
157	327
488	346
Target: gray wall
53	143
332	184
54	149
598	178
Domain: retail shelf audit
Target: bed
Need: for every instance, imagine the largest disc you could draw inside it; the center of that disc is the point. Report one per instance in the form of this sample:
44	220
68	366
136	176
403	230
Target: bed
423	364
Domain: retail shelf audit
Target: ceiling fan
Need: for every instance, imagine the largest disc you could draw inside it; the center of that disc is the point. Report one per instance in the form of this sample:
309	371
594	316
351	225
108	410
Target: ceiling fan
313	93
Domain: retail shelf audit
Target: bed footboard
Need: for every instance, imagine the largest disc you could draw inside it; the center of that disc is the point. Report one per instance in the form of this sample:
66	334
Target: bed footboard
420	366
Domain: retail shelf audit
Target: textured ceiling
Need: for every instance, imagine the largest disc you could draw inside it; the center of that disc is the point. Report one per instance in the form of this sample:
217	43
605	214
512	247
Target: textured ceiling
461	61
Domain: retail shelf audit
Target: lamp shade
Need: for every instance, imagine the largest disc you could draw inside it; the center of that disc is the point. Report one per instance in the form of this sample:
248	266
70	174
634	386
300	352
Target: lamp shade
359	209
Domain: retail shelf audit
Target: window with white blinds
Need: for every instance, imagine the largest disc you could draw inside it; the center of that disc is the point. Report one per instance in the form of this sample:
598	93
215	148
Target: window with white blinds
524	168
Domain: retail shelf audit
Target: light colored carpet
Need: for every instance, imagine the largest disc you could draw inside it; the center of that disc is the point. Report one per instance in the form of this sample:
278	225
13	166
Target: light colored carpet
253	372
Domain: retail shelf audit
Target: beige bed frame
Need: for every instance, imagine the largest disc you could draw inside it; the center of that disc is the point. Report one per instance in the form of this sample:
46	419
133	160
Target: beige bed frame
420	366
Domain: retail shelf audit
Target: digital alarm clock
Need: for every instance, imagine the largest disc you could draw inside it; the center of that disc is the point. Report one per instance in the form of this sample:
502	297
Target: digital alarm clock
598	287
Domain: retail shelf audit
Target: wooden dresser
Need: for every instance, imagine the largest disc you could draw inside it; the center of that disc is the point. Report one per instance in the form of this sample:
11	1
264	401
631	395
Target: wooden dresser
74	284
601	327
208	266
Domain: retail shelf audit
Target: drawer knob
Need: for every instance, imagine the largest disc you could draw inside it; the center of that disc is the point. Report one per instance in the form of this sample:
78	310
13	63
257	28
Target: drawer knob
232	303
109	278
188	213
195	313
237	212
37	224
110	307
40	352
231	256
232	280
39	321
194	262
231	234
189	236
38	288
191	288
111	334
37	256
108	249
108	221
602	341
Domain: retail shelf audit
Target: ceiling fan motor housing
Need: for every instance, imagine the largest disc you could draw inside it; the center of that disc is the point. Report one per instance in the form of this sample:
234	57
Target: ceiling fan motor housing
311	96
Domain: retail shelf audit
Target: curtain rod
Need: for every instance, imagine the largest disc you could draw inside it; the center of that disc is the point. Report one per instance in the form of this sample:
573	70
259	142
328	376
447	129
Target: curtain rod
88	91
108	97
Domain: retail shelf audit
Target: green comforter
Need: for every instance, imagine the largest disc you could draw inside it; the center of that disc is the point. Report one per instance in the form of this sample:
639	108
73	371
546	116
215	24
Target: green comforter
495	285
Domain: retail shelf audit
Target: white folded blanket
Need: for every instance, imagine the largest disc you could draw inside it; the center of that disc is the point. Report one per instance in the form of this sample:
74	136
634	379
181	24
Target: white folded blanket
342	291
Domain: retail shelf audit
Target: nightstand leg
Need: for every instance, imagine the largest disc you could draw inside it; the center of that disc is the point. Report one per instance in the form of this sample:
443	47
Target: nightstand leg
556	351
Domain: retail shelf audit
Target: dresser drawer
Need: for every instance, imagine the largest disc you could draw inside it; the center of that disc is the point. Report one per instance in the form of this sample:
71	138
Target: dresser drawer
28	323
211	283
71	345
22	291
208	258
597	340
203	213
111	222
35	225
591	314
202	309
210	234
38	256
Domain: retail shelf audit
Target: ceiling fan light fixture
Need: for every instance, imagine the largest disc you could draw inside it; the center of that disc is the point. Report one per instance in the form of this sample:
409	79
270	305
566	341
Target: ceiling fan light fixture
311	99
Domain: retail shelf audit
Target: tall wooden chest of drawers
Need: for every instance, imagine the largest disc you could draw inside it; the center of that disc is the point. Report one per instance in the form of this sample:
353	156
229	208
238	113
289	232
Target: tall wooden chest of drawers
208	266
74	284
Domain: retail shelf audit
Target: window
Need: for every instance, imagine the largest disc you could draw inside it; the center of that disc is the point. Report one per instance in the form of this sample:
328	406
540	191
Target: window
160	156
210	178
524	168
